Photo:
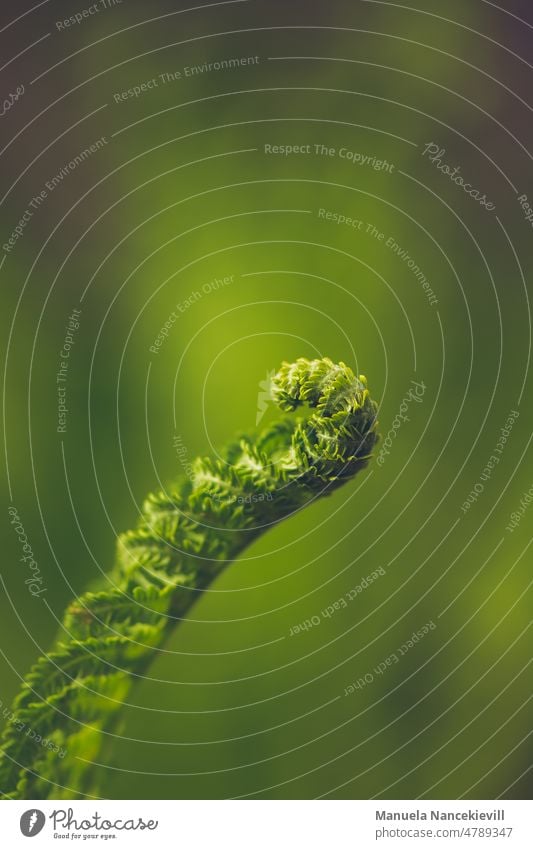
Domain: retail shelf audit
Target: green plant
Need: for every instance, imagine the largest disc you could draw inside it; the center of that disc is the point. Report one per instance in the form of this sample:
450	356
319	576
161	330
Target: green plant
185	537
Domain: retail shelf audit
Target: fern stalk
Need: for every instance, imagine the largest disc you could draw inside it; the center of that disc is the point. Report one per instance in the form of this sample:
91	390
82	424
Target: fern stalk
72	696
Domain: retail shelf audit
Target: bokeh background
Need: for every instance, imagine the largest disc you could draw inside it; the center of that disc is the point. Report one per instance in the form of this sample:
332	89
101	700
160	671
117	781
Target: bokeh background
181	193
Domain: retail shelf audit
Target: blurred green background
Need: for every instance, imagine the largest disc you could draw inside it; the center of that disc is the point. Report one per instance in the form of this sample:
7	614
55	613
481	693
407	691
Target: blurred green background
183	193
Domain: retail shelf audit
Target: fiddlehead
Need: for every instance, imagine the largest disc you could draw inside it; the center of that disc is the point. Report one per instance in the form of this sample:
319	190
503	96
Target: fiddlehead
185	536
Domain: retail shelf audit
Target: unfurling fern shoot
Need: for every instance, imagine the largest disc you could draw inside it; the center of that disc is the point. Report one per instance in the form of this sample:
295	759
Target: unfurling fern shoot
185	537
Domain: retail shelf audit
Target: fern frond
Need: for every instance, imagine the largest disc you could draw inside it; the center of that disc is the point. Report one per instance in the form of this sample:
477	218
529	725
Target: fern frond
72	697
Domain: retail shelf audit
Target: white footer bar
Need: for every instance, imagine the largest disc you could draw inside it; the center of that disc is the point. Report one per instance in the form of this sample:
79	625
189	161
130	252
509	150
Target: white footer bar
268	824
